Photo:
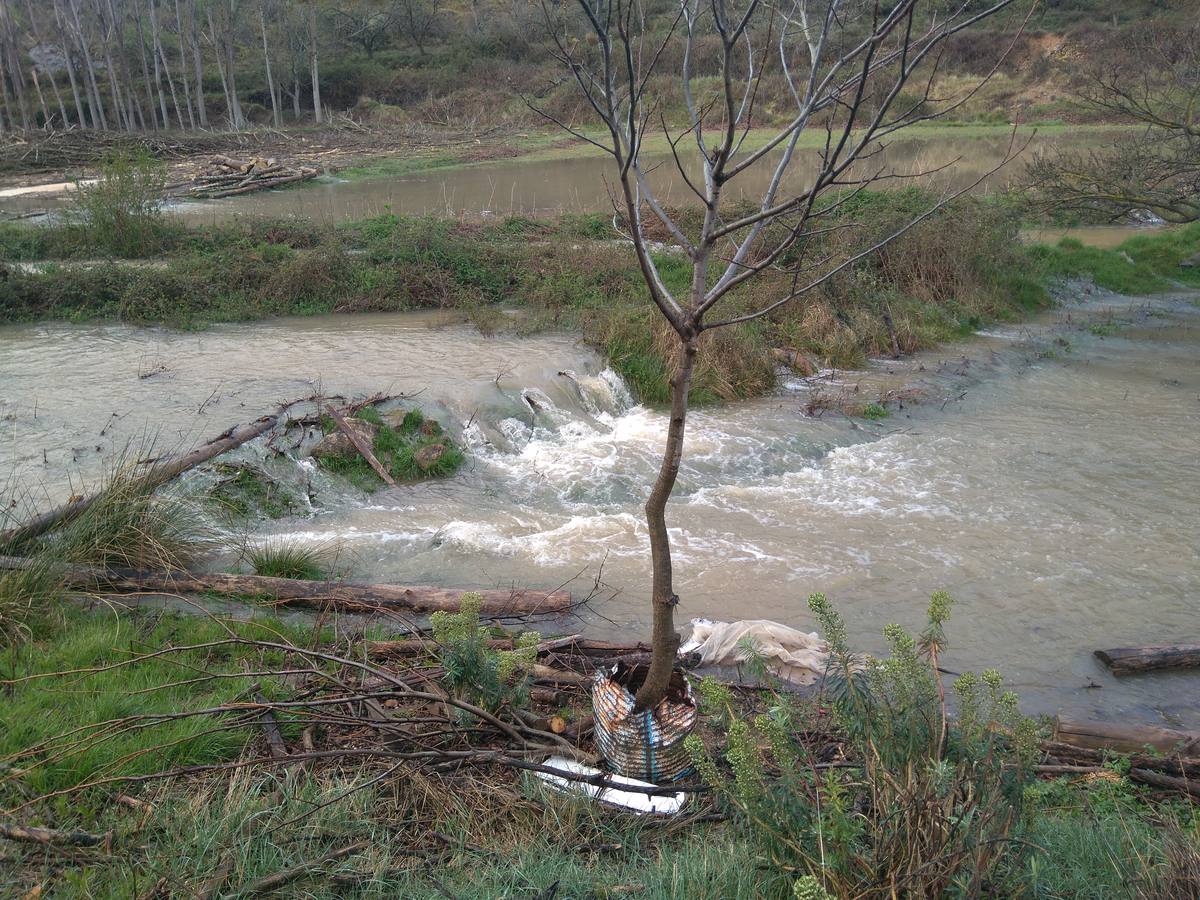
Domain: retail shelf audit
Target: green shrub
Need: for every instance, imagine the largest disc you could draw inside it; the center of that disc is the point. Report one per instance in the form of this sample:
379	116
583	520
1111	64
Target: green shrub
924	807
491	679
122	208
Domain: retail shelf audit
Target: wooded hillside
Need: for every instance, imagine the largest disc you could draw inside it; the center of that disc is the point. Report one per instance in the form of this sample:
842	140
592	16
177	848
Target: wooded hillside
145	65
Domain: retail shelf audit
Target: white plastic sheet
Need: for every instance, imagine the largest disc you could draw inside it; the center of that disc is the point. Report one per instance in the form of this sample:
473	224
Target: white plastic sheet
797	656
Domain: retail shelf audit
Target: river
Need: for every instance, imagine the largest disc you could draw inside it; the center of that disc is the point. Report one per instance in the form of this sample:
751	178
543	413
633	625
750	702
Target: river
1049	480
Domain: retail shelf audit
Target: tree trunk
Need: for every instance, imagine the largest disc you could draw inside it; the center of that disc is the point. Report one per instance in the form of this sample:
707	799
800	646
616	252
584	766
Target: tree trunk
212	33
133	106
18	74
302	592
183	72
1134	660
41	97
171	85
198	64
161	56
664	639
37	36
318	114
239	120
141	35
99	120
275	114
64	39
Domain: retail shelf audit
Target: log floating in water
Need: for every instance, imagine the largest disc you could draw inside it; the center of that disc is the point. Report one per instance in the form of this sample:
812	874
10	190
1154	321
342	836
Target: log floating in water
162	472
1132	660
1126	738
299	592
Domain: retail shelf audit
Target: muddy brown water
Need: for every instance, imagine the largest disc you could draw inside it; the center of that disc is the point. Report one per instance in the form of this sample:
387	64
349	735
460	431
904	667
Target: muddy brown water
1050	481
539	187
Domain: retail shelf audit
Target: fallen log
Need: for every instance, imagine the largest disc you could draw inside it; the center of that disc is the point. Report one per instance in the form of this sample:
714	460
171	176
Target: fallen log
30	834
348	596
1086	756
160	473
360	445
1126	738
1145	776
1134	660
421	647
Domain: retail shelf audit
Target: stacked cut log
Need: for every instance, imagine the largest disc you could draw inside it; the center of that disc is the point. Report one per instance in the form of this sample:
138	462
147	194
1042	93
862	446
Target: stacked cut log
228	176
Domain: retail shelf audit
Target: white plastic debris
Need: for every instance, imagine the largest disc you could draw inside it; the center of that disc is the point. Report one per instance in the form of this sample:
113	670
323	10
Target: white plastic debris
610	793
791	654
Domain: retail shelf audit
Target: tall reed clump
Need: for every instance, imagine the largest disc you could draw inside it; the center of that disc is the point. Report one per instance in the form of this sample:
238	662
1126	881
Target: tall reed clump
129	523
28	597
288	558
121	210
921	806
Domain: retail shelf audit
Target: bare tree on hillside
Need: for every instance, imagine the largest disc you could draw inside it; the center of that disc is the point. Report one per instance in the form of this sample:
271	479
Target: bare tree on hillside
846	65
1151	79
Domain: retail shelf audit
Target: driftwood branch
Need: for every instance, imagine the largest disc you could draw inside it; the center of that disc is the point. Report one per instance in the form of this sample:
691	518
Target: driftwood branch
30	834
162	472
1134	660
360	445
300	592
1126	738
286	876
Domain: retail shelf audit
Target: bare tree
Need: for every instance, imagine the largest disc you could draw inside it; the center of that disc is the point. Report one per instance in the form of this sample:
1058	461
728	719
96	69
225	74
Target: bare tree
96	105
844	65
262	24
318	113
367	23
418	20
1151	79
197	62
64	38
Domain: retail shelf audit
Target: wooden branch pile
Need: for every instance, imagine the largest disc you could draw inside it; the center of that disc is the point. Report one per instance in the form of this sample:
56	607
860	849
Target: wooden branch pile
53	150
228	176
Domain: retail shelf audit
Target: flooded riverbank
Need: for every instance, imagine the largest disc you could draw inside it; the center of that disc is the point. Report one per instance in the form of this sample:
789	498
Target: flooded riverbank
1048	481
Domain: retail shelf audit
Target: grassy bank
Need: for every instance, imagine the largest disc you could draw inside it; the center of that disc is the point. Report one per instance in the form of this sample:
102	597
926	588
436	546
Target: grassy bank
947	276
951	274
485	833
147	731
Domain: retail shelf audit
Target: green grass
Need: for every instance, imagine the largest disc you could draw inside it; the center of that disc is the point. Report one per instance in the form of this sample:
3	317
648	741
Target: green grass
1152	265
38	712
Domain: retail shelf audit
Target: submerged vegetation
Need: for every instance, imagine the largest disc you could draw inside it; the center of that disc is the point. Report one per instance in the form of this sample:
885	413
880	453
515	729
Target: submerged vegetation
243	491
409	448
